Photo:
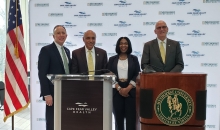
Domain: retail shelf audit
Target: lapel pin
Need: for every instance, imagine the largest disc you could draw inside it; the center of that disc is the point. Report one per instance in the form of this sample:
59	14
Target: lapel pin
97	54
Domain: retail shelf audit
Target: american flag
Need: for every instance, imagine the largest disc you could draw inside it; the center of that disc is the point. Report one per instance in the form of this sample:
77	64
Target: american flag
16	81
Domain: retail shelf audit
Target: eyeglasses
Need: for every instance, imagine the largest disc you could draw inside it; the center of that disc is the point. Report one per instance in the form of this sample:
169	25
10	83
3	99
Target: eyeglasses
163	27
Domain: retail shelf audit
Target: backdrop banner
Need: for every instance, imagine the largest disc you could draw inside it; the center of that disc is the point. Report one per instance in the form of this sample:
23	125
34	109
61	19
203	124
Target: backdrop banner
195	24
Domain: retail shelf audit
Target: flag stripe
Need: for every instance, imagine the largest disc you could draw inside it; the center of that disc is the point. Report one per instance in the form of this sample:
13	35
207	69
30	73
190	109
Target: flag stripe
13	96
17	62
6	108
20	38
18	92
21	28
16	73
21	51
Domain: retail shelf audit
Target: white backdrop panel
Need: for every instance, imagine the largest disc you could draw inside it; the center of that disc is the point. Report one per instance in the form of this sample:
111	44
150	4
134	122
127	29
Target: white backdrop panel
194	24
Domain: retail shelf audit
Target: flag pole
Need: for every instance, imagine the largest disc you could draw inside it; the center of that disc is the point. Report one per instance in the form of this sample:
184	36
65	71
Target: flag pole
12	122
16	51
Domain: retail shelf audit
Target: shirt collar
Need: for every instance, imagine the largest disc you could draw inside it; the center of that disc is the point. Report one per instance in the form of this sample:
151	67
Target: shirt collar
93	50
165	40
58	45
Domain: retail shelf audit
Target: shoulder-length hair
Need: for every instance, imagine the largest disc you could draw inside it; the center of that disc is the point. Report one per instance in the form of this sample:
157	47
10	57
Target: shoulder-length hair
117	48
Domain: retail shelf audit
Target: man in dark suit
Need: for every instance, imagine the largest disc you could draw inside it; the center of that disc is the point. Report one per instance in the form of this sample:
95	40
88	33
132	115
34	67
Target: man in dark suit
162	54
80	57
53	59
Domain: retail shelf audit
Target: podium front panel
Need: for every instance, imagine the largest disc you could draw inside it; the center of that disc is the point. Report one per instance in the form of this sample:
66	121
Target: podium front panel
83	104
153	85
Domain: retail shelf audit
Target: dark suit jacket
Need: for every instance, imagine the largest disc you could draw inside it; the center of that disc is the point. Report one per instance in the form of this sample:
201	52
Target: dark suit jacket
151	56
79	61
133	67
50	62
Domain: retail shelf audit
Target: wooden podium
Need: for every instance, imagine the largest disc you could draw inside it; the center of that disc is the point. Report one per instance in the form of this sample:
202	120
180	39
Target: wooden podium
150	88
82	102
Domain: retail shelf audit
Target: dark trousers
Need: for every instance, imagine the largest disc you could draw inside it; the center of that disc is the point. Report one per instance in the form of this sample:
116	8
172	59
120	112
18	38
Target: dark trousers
49	117
124	108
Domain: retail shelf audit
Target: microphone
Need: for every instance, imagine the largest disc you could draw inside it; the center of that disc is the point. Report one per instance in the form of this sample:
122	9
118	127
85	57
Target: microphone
149	69
103	70
106	71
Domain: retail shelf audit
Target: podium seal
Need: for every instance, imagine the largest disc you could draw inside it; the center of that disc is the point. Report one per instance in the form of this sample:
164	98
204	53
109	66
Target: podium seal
174	107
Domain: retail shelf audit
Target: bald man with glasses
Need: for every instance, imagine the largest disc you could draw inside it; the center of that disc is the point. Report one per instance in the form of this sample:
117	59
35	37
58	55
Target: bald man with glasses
162	54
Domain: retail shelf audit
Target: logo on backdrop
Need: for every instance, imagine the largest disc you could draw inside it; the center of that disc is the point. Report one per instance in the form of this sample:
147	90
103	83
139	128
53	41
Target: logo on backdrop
211	85
180	2
109	14
195	54
94	4
81	108
39	101
122	3
109	34
42	44
82	15
111	54
209	64
170	33
211	106
151	2
40	119
180	23
41	5
122	24
196	12
186	64
149	23
209	126
68	25
210	43
137	53
196	33
210	22
67	5
55	14
98	44
137	13
79	35
69	44
182	44
42	24
94	24
166	12
137	34
174	107
211	1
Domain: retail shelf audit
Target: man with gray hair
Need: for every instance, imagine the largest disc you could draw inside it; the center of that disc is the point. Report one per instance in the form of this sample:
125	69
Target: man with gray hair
53	59
162	54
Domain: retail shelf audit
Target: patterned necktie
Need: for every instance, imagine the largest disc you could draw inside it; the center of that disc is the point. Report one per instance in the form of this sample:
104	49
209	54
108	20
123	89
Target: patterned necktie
65	63
90	63
162	52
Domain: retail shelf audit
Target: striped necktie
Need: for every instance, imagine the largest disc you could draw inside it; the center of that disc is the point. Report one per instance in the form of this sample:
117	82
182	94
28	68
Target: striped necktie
65	63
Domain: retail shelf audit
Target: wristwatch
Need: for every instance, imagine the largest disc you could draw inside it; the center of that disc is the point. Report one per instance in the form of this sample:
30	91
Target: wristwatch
119	88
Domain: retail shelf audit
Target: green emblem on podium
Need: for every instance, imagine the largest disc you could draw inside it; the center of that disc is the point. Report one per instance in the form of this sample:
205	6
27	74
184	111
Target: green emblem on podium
174	107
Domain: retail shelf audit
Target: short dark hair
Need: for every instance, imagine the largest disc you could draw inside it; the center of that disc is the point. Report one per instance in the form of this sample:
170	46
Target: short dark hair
58	26
117	48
